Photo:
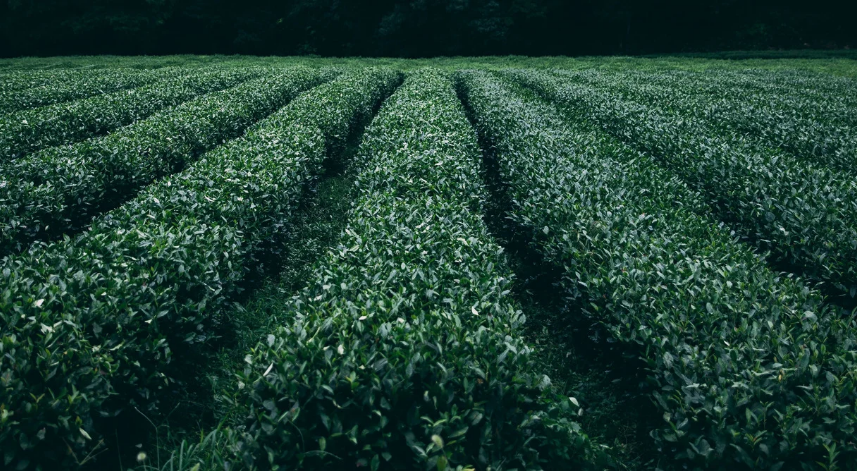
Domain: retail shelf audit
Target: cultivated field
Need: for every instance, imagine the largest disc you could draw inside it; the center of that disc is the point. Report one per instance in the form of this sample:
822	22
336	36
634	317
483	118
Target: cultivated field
486	263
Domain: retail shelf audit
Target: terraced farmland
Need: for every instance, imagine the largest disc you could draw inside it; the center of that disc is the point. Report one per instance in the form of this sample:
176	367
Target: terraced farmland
458	264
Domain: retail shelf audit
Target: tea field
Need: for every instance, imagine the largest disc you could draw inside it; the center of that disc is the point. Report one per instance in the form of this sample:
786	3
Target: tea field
463	263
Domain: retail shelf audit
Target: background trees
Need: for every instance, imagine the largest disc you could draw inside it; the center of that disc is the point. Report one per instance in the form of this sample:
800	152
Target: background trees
419	27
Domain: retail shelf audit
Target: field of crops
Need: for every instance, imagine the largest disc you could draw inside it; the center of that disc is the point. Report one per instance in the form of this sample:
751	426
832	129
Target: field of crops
509	263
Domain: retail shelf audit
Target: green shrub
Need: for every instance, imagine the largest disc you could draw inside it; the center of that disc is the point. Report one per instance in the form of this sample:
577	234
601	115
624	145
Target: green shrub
818	128
59	190
799	212
64	88
28	78
748	368
404	351
91	324
64	123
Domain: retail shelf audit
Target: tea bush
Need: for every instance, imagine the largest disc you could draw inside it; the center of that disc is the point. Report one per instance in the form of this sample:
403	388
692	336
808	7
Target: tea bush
66	123
58	90
800	212
748	367
58	190
405	352
91	324
816	128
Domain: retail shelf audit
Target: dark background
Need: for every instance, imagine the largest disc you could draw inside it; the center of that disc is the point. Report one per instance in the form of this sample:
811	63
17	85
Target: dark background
420	28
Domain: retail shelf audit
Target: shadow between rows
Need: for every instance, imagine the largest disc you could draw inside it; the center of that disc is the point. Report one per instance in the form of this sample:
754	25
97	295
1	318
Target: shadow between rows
200	401
78	219
840	299
606	378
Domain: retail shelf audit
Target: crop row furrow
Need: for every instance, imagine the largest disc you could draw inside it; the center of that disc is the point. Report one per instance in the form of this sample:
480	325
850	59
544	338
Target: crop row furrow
64	123
58	190
404	351
748	368
91	324
802	214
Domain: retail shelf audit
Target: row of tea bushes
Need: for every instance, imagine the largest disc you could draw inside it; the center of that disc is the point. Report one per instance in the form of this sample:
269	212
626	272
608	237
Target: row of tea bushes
813	93
801	213
91	324
65	123
82	86
58	190
825	97
807	127
404	352
15	80
748	368
824	87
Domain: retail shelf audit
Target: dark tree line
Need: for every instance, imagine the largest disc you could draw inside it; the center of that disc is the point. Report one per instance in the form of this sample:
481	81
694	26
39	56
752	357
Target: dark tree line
414	28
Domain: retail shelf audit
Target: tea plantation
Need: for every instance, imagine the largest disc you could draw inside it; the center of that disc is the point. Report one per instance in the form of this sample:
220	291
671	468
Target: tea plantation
450	264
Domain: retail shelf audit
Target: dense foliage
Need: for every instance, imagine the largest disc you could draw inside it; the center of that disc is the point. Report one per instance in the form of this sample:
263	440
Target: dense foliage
816	122
730	346
801	212
418	28
57	191
163	265
66	123
15	99
175	296
405	349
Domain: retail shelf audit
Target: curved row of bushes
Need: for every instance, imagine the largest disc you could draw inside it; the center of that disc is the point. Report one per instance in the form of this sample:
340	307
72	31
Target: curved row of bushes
806	127
404	351
748	367
801	213
58	190
64	123
825	87
13	80
827	97
82	86
813	92
90	325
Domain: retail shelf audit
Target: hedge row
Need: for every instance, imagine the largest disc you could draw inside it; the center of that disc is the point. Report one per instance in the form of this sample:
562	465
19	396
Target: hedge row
780	86
404	351
14	80
84	86
748	368
775	89
832	96
807	127
24	79
801	213
65	123
59	190
90	324
824	87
